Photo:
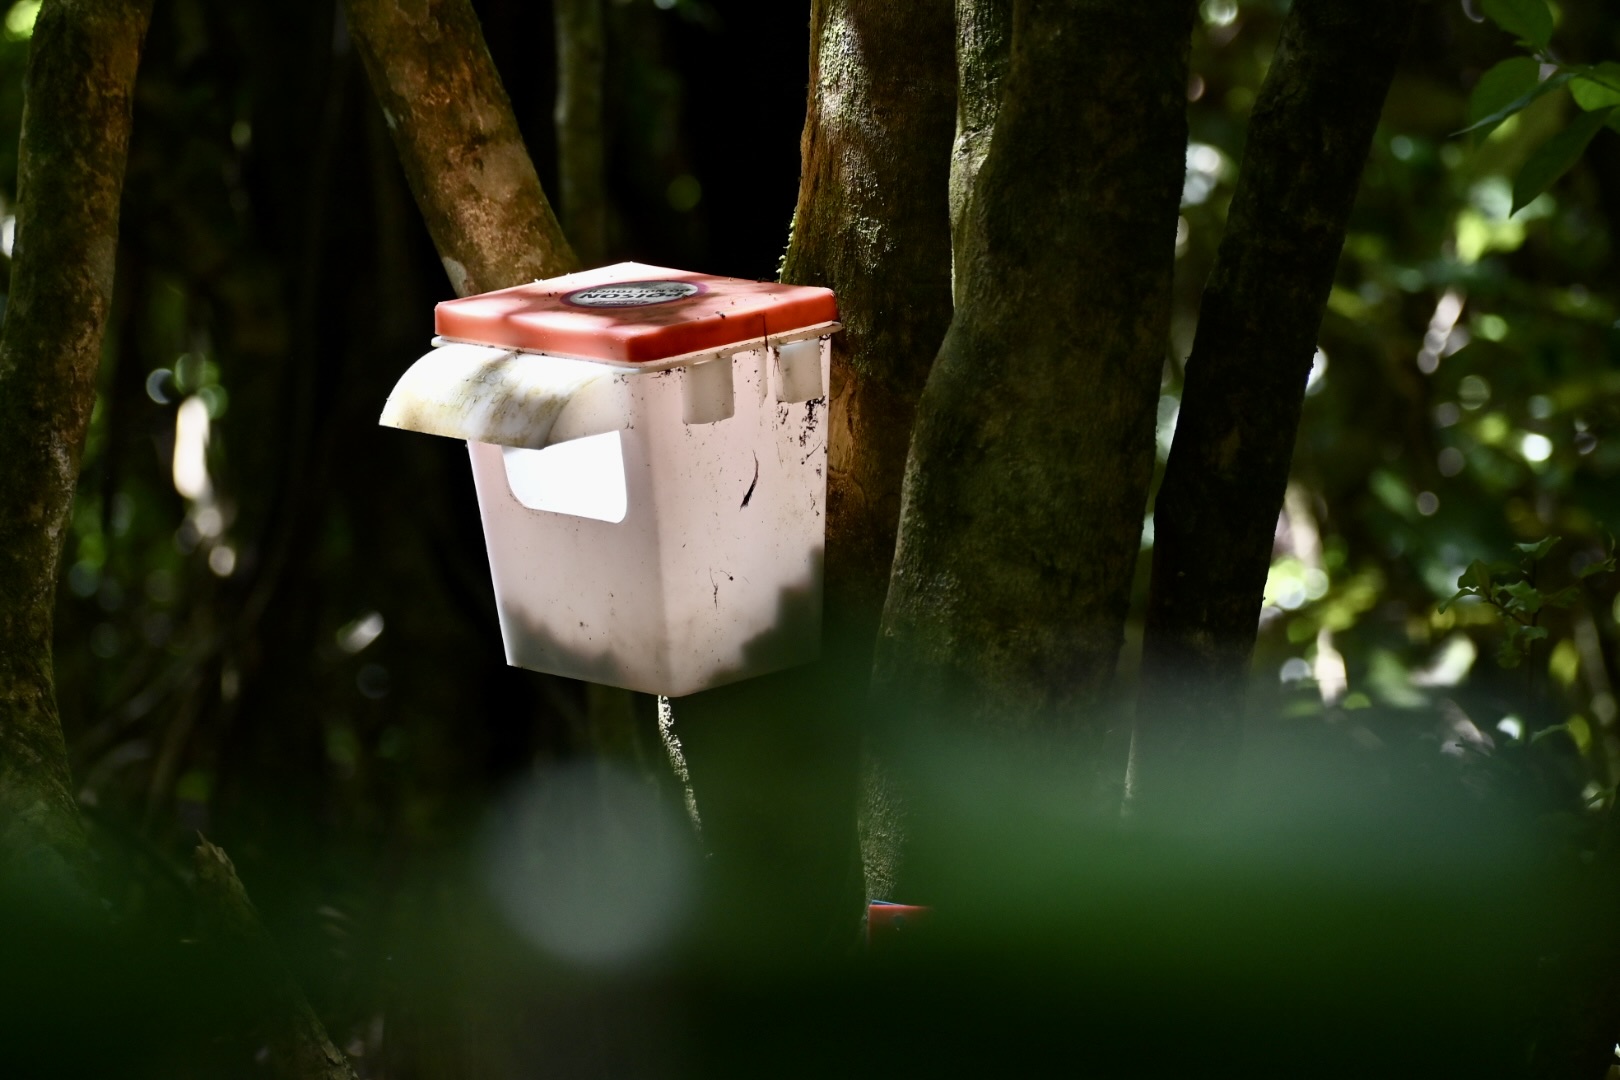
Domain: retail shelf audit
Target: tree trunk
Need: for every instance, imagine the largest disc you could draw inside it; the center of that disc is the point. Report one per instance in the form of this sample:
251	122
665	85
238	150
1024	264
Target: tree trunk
1033	449
983	47
74	146
1223	487
296	1043
872	225
581	170
775	761
459	142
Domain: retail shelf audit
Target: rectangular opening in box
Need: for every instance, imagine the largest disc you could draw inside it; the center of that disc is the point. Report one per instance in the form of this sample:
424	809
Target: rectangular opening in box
580	477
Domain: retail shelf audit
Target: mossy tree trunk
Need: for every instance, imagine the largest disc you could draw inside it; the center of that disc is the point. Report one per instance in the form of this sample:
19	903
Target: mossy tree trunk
1033	447
983	47
1216	511
74	147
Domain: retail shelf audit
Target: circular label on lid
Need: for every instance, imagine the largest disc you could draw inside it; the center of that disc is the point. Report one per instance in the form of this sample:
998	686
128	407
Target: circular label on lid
632	294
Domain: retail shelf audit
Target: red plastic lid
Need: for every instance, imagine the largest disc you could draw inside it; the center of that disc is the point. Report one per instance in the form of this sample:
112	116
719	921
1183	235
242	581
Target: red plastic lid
632	313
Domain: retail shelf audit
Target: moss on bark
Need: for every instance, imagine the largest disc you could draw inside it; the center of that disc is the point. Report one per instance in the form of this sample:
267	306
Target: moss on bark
983	47
1033	447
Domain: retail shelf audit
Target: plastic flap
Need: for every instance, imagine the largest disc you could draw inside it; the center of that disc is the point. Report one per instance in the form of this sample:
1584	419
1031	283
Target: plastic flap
489	395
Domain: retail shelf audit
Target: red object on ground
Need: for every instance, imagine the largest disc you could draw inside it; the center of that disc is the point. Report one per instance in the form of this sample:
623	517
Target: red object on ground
885	920
631	313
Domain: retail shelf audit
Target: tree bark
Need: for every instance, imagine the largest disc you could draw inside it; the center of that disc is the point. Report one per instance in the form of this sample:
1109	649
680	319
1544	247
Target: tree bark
581	172
872	225
1217	508
459	142
74	147
1033	448
776	761
983	47
297	1042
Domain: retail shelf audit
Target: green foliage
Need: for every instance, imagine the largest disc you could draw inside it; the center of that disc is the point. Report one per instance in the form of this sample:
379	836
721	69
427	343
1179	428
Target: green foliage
1556	156
1598	87
1503	91
1511	590
1529	20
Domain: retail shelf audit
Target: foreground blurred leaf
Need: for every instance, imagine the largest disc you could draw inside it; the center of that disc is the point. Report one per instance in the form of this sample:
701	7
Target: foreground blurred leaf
1538	550
1527	20
1501	89
1555	157
1490	120
1525	596
1598	88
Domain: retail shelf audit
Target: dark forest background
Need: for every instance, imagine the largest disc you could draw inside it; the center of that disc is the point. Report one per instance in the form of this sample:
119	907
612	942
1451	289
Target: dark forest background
295	653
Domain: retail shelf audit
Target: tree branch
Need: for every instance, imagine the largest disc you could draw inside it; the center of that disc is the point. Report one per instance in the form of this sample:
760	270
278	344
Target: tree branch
75	141
459	142
1223	487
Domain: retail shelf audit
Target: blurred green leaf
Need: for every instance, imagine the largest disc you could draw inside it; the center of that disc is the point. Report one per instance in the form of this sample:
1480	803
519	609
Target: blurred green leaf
1525	597
1538	551
1596	88
1563	598
1477	578
1502	89
1555	157
1548	731
1490	120
1527	20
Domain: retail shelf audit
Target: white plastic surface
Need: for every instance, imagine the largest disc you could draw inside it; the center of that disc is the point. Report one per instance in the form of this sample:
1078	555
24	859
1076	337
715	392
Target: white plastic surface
707	395
491	394
713	574
583	477
798	371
